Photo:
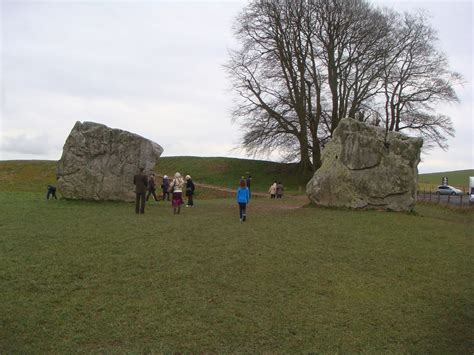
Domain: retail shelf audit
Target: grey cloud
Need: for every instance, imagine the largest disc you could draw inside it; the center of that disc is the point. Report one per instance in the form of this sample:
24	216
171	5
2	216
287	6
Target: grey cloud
23	144
114	50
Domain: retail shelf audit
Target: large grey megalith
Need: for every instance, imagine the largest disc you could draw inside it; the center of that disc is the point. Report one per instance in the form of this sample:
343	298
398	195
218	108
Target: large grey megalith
98	162
363	167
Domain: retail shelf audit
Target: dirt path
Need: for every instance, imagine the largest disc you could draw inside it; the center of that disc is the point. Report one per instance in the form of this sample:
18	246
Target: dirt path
225	189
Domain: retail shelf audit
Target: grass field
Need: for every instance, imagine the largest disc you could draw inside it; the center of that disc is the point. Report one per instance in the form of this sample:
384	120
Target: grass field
84	276
80	276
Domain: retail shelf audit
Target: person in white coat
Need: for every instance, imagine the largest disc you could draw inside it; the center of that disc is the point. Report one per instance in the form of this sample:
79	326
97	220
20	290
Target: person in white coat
273	190
176	188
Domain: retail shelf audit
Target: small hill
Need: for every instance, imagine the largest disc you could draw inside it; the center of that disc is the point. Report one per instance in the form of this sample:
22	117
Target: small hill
456	178
35	175
226	172
27	175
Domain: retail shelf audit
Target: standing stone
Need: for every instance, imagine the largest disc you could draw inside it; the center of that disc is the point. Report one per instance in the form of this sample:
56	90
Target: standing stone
363	169
98	162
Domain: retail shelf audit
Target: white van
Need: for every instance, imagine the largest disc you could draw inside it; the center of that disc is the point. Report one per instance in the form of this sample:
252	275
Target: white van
471	190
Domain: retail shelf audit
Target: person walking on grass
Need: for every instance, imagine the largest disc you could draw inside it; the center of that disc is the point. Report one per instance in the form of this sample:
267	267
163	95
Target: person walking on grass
189	191
165	186
273	190
151	187
176	188
243	198
279	191
140	181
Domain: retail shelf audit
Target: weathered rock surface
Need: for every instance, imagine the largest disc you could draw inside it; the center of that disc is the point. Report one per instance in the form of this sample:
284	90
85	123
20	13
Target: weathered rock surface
98	162
360	169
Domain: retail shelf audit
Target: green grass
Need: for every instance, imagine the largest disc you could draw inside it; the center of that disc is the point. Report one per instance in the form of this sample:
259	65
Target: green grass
94	277
82	276
27	175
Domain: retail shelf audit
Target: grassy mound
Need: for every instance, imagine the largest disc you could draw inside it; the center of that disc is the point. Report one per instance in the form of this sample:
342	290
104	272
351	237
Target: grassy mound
27	175
225	172
35	175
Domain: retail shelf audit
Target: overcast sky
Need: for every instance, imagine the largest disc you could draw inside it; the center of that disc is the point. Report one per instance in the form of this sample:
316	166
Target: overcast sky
155	68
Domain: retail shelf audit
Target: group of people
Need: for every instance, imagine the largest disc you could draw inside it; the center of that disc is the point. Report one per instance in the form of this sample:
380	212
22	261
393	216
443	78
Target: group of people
276	190
145	185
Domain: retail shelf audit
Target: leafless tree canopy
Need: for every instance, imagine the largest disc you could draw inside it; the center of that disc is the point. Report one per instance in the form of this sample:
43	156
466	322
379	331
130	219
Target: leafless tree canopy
304	65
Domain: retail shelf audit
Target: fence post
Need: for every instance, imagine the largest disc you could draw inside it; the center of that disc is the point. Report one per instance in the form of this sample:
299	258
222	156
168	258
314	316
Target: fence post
449	197
460	200
439	195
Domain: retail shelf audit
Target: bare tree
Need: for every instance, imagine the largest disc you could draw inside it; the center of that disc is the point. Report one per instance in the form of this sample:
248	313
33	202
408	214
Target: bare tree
352	36
272	77
303	65
416	78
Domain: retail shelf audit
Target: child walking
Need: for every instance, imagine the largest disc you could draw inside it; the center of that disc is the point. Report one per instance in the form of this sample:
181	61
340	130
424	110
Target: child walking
243	198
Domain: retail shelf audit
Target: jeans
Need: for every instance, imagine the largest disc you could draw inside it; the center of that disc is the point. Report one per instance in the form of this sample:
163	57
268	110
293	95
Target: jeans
242	210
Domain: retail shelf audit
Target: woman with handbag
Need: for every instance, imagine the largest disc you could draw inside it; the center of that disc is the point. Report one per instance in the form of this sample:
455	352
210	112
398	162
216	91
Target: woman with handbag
176	187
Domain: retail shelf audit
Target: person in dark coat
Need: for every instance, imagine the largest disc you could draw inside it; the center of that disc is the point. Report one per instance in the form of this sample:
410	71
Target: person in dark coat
151	187
280	189
165	186
247	182
51	192
140	181
189	191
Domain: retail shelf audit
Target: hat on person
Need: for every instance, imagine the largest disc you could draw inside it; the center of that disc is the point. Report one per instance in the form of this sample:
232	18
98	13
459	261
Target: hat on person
165	177
188	177
177	175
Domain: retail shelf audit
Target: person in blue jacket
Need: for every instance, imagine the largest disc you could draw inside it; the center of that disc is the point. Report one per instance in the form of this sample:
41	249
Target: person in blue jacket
243	198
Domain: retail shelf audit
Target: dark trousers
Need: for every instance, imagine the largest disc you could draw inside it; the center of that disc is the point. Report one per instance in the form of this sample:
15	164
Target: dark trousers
166	195
243	210
151	192
51	193
190	200
140	202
